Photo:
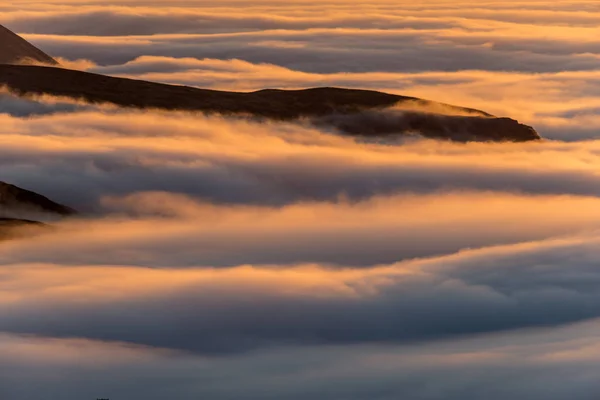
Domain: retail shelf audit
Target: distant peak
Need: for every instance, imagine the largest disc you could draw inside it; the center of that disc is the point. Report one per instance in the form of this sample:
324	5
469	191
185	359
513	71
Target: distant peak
15	202
16	50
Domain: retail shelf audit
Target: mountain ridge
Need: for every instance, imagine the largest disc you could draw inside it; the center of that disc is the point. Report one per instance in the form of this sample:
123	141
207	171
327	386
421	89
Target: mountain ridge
351	111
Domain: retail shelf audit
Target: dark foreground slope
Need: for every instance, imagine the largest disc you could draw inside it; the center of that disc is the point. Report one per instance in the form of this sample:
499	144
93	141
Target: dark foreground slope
357	112
14	49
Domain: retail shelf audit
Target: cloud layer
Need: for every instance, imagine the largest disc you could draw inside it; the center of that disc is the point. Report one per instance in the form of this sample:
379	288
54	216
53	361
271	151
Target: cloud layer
233	259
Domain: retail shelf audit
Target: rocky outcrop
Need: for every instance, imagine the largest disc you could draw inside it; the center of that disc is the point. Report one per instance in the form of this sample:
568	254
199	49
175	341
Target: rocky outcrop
461	128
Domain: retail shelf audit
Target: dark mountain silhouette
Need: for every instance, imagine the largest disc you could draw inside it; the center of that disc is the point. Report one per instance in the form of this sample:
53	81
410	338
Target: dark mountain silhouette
19	208
15	201
355	112
14	49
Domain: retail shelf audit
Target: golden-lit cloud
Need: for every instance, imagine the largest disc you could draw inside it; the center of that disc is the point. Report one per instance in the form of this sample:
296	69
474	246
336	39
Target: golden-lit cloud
229	258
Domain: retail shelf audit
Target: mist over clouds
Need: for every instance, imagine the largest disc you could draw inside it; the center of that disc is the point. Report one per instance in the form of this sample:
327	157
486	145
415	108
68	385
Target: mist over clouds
232	258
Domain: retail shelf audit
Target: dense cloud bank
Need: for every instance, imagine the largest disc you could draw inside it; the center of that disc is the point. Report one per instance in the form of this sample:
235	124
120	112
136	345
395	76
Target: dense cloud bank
249	307
523	364
394	36
236	250
227	258
80	157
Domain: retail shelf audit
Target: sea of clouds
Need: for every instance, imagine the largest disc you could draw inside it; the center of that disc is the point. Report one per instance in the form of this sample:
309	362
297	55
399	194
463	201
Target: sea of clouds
222	258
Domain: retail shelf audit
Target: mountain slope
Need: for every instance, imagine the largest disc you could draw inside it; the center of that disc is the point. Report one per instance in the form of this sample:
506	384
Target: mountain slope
356	112
15	201
14	49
